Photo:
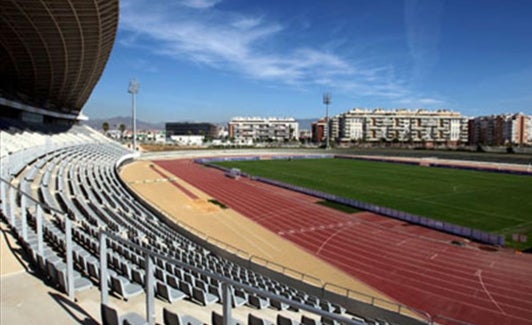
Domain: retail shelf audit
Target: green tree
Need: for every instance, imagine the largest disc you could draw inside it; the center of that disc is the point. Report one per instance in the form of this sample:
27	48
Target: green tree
105	126
122	128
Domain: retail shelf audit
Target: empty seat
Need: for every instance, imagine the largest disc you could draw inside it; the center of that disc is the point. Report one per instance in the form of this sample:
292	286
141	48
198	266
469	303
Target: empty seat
282	320
171	318
279	305
110	317
138	276
80	283
168	293
217	319
237	300
124	288
254	320
309	321
186	288
328	321
203	297
172	281
258	302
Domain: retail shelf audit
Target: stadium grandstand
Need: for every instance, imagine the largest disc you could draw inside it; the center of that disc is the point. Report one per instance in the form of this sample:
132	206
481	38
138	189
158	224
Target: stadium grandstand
94	247
80	245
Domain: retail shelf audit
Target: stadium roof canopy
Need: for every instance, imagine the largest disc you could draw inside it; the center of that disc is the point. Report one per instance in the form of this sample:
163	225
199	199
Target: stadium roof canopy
53	52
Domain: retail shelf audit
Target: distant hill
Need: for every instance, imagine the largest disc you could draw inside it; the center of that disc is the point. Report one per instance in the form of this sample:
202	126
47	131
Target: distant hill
306	123
114	122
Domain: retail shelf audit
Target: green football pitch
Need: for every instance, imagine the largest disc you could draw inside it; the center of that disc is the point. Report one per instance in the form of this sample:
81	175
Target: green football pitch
493	202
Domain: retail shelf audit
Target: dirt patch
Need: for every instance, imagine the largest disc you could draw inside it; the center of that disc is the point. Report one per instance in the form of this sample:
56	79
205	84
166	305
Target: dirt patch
488	248
218	203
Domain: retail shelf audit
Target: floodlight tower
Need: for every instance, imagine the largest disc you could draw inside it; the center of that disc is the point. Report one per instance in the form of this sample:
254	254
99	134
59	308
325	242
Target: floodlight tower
133	89
327	101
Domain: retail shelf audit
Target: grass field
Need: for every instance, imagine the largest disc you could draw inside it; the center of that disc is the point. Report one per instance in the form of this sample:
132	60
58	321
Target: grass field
498	203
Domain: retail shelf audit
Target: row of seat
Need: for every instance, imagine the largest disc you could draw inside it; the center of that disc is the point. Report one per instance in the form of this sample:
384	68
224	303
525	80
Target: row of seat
81	180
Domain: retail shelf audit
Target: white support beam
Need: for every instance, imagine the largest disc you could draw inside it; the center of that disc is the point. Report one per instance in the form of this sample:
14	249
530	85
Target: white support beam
69	258
3	197
149	289
12	195
104	290
40	243
24	217
227	303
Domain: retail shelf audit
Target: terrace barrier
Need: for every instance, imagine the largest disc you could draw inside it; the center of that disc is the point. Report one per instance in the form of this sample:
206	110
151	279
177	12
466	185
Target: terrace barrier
15	215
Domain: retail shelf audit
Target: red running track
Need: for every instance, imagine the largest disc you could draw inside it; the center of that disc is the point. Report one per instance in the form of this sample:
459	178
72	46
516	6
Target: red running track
414	265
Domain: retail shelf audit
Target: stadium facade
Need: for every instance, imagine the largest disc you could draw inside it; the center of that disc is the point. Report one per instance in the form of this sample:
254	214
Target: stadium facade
52	54
203	129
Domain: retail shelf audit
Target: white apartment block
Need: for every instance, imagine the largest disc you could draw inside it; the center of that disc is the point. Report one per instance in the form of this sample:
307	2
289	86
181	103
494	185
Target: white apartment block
441	126
258	129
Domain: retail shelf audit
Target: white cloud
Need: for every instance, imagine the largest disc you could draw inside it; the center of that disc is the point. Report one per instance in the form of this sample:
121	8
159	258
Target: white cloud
422	102
246	45
200	4
423	27
247	22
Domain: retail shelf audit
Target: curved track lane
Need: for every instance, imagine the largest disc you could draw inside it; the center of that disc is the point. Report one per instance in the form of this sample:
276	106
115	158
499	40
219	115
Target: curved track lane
416	266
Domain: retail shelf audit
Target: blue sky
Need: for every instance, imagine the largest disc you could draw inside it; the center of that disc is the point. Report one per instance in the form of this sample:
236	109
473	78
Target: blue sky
210	60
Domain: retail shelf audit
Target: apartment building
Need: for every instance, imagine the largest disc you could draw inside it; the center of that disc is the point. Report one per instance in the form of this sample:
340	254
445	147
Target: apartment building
318	130
401	125
258	129
502	129
185	128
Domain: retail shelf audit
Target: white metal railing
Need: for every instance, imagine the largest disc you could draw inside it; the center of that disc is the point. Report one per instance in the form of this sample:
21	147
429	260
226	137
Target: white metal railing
12	213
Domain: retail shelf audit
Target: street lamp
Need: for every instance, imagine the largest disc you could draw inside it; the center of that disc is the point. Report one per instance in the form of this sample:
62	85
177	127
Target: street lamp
327	101
133	89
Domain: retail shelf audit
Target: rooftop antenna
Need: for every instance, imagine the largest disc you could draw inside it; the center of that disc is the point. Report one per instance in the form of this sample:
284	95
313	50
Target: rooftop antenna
327	101
133	89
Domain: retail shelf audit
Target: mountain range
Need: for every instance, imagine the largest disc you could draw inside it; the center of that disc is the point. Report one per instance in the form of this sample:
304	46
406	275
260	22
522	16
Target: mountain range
114	123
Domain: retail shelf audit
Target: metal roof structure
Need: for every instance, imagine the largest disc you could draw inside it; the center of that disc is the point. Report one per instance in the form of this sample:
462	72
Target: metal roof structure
53	52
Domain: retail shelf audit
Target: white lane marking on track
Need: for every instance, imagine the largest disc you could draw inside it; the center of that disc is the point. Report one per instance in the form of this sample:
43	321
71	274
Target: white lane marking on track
478	273
402	242
327	240
316	228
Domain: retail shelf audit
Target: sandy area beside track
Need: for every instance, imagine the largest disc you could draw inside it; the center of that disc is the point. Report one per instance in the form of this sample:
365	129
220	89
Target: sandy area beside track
227	226
8	263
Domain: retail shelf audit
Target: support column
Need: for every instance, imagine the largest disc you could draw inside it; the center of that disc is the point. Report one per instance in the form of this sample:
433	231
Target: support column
227	303
150	295
3	194
69	259
12	195
40	246
24	217
104	290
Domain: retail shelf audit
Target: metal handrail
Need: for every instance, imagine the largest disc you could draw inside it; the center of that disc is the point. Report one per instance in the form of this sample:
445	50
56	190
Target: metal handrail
336	317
